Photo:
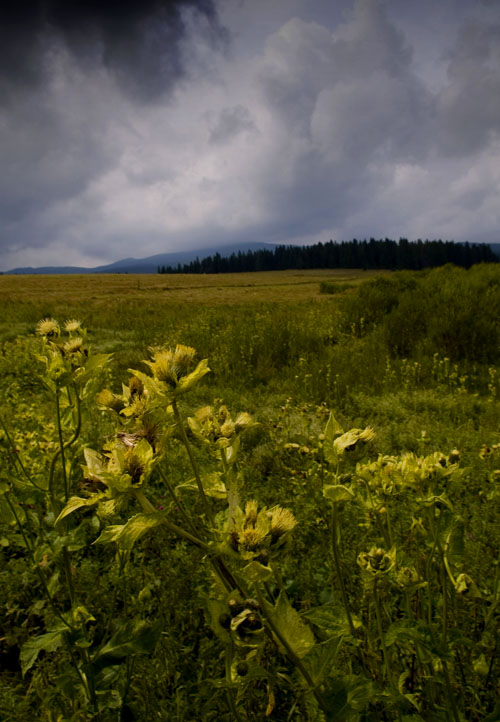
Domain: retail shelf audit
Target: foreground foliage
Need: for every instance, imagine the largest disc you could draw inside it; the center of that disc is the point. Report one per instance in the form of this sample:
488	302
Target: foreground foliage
169	559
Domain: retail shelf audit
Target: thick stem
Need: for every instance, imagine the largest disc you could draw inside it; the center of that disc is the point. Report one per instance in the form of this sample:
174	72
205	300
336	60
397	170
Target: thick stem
194	465
338	570
177	501
150	509
230	688
381	634
292	657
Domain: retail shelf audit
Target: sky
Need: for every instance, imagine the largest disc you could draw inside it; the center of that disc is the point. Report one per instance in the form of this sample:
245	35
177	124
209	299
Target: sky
135	127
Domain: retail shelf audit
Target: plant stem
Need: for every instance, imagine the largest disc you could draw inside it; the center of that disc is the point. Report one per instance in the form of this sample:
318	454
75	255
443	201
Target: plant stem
338	570
150	509
230	688
288	650
194	465
177	501
378	615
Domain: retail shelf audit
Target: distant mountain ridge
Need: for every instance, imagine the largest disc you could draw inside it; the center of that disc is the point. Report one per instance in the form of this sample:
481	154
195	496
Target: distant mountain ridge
173	259
146	265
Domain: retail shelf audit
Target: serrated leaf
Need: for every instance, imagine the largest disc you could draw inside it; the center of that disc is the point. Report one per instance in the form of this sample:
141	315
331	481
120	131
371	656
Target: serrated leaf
290	626
76	502
125	535
319	661
332	430
131	638
187	382
337	492
332	620
256	572
48	642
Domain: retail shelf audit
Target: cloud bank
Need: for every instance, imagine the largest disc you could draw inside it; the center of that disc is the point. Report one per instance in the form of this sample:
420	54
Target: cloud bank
164	125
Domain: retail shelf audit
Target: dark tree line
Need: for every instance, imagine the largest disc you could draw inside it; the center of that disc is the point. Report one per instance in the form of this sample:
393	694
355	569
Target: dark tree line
385	253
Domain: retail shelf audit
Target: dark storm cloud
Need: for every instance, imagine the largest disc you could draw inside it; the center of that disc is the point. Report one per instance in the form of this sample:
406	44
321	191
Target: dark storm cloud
229	123
138	41
469	107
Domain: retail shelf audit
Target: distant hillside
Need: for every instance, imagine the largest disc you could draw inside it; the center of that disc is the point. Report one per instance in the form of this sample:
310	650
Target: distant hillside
149	264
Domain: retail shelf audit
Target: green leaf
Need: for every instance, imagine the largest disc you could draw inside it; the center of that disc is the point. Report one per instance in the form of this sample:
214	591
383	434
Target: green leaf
97	361
332	620
76	502
212	485
319	661
96	463
48	642
336	699
337	492
290	626
125	535
332	430
134	637
257	572
187	382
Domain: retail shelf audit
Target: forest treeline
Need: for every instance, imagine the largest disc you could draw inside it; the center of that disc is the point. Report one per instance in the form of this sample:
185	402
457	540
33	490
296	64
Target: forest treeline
402	254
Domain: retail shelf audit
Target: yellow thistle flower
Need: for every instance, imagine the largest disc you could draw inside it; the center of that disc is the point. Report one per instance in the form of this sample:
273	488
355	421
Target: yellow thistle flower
227	429
72	325
48	327
282	522
170	366
250	539
250	514
73	345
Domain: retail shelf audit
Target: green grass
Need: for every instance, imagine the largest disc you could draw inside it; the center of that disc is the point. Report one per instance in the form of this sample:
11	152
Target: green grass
282	348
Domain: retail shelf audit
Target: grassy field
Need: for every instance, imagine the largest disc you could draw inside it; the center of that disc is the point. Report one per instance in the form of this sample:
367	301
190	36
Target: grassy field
333	556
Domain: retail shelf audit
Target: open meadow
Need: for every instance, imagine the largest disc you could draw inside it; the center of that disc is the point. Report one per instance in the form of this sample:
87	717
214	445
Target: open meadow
250	496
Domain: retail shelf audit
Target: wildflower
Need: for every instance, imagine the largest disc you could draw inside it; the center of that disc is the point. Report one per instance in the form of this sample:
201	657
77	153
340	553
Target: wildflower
250	514
48	327
74	345
377	560
72	325
282	522
353	439
109	400
136	386
170	366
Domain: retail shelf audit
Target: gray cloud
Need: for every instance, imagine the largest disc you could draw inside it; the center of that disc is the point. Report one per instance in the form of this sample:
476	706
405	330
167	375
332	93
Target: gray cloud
302	129
140	43
229	123
469	106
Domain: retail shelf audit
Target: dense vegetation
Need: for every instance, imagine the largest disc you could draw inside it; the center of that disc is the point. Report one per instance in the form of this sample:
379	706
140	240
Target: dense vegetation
347	254
309	531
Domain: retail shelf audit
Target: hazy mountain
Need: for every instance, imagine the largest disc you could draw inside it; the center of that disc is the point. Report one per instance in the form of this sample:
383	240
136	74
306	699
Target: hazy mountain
147	265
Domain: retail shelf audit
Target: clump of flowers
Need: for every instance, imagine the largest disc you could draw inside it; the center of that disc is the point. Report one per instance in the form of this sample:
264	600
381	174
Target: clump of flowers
258	534
217	426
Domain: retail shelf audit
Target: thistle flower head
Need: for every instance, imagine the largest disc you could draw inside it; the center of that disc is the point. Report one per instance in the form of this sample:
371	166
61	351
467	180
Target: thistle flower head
243	421
73	345
282	522
171	365
109	400
72	325
48	327
136	386
250	539
227	429
251	514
